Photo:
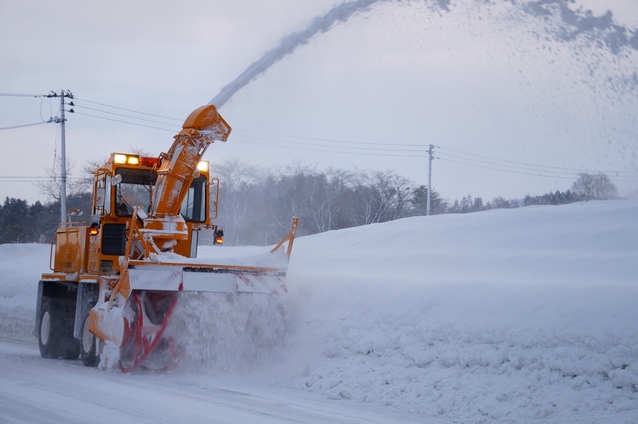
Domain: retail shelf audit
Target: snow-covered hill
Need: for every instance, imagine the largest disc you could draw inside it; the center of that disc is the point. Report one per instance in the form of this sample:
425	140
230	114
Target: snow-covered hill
525	315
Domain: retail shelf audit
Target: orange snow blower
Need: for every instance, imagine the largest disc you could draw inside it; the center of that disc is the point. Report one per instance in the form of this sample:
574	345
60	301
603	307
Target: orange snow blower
115	281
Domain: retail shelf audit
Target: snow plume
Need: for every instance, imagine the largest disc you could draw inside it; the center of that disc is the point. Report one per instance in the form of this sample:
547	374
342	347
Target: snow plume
600	29
227	332
288	44
572	24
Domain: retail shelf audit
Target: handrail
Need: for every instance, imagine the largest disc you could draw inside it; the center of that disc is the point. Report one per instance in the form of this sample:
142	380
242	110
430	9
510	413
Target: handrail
290	237
51	253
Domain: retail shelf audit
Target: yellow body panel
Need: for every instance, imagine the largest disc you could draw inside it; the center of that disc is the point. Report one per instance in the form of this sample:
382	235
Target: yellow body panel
71	250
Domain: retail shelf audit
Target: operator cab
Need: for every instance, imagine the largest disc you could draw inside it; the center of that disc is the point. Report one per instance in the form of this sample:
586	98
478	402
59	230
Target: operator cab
128	181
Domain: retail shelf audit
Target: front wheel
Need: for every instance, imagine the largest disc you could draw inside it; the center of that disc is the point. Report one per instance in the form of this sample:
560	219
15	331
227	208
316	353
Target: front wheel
88	343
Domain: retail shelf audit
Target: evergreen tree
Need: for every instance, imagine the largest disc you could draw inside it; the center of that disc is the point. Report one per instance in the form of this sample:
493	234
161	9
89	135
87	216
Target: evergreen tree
14	221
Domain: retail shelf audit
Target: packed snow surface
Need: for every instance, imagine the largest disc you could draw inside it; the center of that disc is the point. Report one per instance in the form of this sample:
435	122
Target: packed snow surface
506	316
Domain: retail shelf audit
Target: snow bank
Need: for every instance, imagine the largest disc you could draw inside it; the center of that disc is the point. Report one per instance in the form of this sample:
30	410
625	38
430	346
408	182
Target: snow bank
503	316
506	316
21	267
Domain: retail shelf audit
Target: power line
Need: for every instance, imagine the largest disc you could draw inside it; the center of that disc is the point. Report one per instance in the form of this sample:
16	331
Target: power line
31	179
359	153
38	177
522	163
21	95
130	110
299	146
26	125
124	122
260	134
508	166
327	145
505	170
538	173
360	148
336	140
389	147
121	114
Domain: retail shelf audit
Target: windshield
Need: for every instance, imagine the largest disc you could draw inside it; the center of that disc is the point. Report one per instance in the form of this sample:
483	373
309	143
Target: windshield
135	189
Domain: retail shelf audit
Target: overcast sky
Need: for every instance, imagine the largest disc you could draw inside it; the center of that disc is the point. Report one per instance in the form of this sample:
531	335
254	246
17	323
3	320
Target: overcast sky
512	109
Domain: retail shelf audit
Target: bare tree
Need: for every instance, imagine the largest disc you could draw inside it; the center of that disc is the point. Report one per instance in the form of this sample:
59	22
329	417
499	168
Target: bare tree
325	192
380	196
74	185
499	203
239	188
594	187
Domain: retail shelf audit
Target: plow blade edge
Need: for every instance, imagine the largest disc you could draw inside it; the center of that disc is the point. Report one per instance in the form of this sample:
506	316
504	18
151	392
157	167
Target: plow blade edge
205	279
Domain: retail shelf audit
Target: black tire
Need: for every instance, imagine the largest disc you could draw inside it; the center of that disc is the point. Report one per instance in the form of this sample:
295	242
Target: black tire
71	348
88	343
49	340
56	333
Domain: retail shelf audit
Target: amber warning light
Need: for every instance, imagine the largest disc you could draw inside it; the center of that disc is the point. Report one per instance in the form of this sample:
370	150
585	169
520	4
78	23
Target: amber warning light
121	159
218	237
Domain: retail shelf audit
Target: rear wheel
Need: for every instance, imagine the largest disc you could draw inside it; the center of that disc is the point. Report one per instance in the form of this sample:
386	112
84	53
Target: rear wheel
88	343
48	334
56	332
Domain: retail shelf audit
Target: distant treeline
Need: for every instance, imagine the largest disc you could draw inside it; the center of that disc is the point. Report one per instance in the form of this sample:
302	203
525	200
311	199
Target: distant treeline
36	223
256	205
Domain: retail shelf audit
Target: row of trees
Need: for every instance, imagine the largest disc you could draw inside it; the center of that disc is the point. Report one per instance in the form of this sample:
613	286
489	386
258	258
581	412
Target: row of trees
586	187
256	205
36	223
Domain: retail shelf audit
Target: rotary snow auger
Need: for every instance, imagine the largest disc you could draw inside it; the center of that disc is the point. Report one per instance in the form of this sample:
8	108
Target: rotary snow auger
115	281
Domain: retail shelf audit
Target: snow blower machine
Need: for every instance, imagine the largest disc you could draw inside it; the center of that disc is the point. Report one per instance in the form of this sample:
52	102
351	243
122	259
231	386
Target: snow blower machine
115	280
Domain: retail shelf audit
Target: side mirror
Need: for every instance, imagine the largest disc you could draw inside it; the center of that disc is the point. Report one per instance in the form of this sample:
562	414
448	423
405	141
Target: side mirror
116	180
74	212
100	197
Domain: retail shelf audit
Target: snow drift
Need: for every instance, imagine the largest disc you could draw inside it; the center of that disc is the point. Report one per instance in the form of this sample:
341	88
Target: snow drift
500	316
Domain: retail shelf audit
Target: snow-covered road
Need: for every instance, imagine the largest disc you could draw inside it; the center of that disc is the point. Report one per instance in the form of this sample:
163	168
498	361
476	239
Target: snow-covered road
36	390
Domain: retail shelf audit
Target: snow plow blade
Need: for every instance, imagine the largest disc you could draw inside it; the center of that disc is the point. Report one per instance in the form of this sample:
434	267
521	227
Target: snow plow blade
207	278
166	272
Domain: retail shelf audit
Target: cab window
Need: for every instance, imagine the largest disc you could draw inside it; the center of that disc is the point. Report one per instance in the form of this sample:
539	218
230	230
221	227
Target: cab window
194	205
134	190
136	187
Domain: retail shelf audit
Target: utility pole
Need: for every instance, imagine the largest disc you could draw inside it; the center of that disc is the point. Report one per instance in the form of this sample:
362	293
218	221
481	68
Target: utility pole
63	94
430	157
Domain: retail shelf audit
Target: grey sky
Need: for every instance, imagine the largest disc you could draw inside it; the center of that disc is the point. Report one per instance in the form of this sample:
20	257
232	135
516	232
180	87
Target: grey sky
482	82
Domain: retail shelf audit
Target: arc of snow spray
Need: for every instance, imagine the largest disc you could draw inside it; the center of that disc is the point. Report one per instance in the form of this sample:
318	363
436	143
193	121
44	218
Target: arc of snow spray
574	23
